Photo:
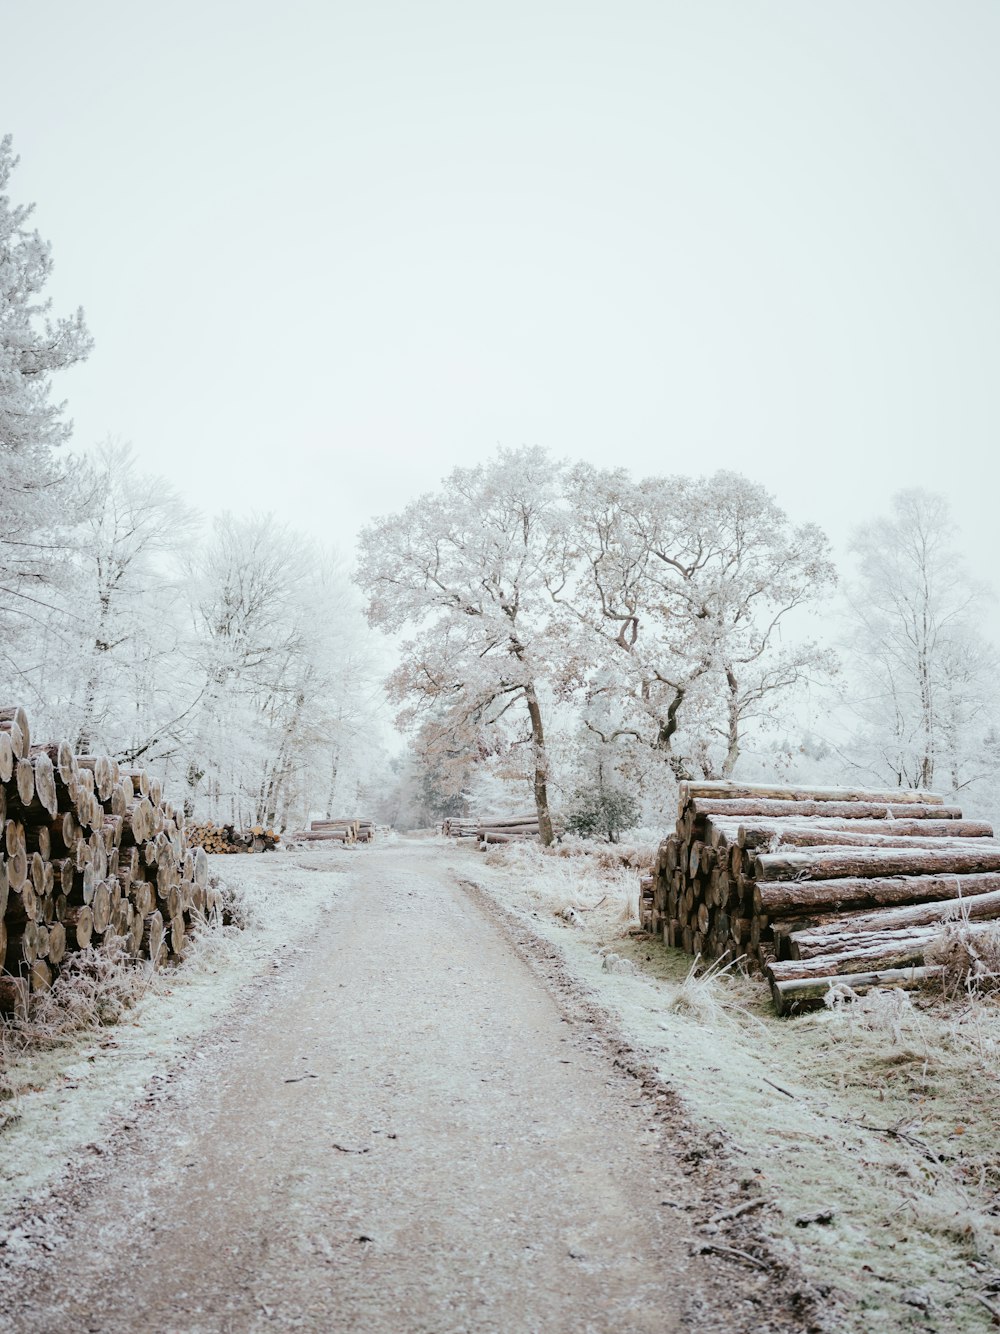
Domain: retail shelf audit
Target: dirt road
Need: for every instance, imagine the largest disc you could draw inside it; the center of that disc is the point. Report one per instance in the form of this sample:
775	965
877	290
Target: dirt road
401	1130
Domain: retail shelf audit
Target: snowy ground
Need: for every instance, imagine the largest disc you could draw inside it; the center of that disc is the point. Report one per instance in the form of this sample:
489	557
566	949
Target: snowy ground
414	1123
862	1139
871	1128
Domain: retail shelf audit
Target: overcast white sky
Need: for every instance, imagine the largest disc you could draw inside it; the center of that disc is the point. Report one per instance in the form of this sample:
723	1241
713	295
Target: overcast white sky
331	250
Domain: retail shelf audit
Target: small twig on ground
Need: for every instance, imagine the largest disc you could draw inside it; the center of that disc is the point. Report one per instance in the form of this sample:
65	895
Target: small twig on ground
729	1214
731	1252
993	1310
777	1086
590	907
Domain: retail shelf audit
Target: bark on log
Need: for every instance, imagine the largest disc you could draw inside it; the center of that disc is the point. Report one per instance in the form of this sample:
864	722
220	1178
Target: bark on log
24	776
865	953
789	995
804	898
863	833
79	924
846	810
763	791
977	908
825	863
40	976
15	718
14	994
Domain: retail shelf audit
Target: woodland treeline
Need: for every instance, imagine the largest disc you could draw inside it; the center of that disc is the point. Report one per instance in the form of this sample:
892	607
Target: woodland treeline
595	638
568	637
229	657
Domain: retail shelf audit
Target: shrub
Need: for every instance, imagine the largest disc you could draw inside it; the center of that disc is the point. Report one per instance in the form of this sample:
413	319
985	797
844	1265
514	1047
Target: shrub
602	810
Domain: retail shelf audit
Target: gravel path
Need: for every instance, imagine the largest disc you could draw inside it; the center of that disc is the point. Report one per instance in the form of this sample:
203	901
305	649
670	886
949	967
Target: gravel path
401	1130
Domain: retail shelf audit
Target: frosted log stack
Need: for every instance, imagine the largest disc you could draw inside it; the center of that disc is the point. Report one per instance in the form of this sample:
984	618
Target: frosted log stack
460	826
819	886
227	838
344	830
90	851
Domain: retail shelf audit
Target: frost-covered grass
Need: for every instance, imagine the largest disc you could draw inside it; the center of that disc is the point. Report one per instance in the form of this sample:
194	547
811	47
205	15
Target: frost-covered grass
88	1050
884	1109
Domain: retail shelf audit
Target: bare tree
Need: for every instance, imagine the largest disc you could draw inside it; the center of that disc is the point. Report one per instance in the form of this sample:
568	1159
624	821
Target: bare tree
924	677
687	583
467	569
33	347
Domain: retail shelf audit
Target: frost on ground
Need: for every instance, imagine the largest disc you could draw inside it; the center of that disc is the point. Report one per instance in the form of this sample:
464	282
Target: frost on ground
871	1125
84	1056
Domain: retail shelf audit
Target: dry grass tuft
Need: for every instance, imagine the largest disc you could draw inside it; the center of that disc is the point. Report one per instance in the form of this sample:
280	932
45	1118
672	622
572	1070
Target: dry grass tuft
94	989
704	993
970	958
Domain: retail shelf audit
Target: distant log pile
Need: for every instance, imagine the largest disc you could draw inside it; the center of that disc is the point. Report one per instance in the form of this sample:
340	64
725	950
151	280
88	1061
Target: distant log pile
90	851
456	826
493	828
346	830
819	886
506	829
226	838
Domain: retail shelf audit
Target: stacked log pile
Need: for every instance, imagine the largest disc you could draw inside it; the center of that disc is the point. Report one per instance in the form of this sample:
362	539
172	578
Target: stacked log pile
506	829
819	887
343	830
90	851
226	838
460	826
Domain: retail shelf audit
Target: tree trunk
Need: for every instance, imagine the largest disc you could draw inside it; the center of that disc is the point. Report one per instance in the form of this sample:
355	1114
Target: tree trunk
733	724
541	766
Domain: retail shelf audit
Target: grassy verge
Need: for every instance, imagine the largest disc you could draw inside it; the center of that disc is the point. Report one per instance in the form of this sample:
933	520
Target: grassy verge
871	1125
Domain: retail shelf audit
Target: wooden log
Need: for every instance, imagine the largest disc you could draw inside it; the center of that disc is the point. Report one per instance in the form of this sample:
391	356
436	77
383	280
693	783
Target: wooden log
24	777
101	906
794	993
825	863
846	810
104	773
18	716
864	833
881	949
79	926
22	947
7	758
152	943
772	792
14	995
808	945
40	975
14	721
977	908
45	783
38	838
176	935
804	898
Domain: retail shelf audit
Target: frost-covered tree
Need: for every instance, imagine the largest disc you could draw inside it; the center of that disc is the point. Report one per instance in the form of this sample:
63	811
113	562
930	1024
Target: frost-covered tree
285	713
33	346
467	569
924	679
685	586
127	607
